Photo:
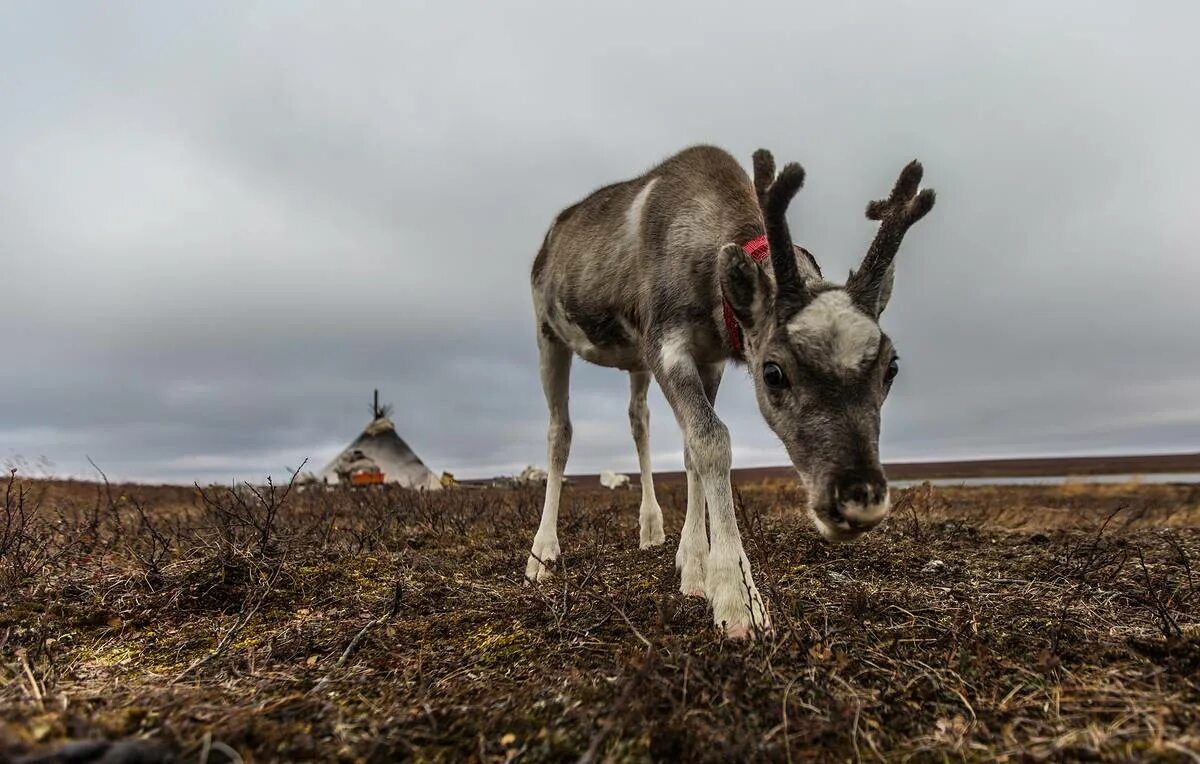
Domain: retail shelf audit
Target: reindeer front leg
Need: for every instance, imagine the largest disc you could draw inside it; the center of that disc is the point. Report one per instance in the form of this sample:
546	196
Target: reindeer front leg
728	583
693	540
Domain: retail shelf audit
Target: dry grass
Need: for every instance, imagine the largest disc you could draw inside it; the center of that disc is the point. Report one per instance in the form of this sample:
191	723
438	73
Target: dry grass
1061	623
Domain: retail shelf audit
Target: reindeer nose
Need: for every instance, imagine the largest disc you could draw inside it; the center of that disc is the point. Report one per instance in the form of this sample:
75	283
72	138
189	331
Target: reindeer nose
863	499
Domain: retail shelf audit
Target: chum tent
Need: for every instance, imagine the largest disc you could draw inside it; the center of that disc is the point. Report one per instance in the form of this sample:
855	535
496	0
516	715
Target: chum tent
379	449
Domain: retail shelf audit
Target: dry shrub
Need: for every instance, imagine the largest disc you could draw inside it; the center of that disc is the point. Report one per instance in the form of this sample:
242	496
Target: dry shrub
989	623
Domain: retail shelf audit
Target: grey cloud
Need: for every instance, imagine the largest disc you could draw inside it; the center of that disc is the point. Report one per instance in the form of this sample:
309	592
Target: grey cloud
223	225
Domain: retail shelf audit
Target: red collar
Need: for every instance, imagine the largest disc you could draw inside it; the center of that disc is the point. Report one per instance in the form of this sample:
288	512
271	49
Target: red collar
758	249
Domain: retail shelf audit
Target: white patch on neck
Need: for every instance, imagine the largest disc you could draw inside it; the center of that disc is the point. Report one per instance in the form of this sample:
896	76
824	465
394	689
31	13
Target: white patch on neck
835	331
675	350
633	215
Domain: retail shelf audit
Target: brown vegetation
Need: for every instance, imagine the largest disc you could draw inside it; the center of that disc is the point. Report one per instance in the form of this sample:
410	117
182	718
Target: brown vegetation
380	624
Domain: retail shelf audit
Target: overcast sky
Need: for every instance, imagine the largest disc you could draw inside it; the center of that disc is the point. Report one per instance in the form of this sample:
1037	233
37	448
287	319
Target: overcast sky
222	225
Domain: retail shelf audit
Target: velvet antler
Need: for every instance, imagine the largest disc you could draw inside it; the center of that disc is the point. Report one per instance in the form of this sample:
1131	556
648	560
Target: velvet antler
790	291
764	175
896	215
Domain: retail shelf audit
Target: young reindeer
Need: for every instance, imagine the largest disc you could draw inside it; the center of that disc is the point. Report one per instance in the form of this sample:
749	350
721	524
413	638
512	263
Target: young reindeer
662	275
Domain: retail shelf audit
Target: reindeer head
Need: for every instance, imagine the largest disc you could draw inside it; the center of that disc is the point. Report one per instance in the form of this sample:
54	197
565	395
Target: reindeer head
820	363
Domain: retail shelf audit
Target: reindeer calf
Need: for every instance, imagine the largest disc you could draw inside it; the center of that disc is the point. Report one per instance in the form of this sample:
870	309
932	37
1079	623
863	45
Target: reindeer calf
663	275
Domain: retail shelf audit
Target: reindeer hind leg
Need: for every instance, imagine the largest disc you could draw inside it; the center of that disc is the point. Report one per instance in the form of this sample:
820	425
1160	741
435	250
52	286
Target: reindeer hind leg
650	522
555	367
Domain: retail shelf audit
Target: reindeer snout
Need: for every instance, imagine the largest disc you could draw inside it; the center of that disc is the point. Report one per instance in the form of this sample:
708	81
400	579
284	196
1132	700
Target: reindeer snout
863	500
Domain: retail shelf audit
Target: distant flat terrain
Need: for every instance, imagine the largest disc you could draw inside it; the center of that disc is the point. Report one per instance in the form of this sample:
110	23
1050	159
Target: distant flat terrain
1137	464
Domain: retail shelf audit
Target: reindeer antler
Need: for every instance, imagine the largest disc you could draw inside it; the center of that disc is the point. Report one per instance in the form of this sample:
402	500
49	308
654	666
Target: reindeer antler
774	196
896	215
764	175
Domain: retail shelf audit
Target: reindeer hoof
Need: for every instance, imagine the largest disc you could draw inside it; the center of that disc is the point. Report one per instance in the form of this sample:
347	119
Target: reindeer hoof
738	633
537	566
651	527
537	574
691	579
653	541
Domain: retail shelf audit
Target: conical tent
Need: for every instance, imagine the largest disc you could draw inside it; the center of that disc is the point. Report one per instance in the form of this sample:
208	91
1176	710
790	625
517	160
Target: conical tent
379	449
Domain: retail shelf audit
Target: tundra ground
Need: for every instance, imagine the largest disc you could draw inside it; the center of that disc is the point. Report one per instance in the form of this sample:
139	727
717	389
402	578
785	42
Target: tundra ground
375	625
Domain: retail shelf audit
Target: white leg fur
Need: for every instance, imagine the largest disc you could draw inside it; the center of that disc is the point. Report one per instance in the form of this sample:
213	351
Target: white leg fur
693	541
650	520
728	582
735	600
555	367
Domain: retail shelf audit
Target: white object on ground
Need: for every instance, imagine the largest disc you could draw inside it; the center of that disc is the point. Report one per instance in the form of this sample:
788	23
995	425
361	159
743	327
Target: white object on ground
532	474
613	480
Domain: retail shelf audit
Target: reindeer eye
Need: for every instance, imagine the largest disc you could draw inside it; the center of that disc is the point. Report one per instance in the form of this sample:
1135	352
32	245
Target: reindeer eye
892	370
773	376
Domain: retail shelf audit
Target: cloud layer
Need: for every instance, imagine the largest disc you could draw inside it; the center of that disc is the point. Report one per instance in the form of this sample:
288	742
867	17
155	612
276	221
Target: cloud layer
223	225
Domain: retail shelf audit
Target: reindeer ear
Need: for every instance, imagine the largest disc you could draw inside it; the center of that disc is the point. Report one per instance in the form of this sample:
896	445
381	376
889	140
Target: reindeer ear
885	289
746	286
808	266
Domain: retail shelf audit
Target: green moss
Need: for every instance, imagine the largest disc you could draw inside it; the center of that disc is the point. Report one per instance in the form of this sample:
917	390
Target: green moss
115	654
492	647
